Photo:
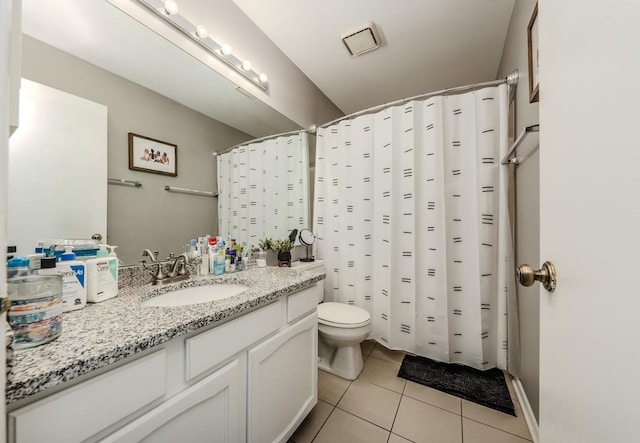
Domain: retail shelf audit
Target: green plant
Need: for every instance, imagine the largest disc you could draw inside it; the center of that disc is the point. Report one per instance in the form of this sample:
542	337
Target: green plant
284	245
266	244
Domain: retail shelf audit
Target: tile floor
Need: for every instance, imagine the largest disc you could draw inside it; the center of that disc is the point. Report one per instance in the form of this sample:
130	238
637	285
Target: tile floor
381	407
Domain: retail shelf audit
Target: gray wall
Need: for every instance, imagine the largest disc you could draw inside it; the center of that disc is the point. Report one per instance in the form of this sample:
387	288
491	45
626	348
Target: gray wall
146	217
514	56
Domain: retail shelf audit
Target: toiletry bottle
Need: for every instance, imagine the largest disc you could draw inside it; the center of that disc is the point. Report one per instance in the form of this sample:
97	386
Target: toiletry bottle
34	259
47	266
74	291
219	263
18	267
204	262
112	250
102	276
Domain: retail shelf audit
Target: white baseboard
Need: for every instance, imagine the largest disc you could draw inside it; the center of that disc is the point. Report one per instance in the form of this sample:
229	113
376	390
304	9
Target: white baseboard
529	417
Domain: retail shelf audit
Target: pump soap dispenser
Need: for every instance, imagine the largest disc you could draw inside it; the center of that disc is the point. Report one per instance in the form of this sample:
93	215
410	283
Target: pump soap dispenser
102	276
74	291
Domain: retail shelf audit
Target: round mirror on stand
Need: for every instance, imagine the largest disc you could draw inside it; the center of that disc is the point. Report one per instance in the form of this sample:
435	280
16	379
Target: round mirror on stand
307	238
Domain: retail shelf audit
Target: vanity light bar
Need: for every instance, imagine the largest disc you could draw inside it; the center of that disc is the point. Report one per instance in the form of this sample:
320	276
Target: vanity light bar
199	35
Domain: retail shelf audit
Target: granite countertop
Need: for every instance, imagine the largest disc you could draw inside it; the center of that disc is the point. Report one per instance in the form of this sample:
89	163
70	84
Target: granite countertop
103	333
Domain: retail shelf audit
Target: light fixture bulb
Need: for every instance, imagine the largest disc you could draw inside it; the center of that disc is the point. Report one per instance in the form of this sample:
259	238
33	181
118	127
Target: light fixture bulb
263	78
202	32
246	65
226	49
171	7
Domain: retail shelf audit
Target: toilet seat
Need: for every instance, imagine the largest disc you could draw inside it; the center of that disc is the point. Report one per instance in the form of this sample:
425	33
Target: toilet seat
342	315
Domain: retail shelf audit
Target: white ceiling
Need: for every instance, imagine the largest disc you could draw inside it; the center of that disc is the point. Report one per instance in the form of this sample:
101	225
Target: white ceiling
427	45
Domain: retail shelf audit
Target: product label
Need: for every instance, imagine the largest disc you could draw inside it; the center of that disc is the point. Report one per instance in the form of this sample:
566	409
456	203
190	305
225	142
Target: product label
78	271
113	267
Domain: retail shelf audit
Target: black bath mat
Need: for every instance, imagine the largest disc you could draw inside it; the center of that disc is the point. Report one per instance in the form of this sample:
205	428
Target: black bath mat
487	388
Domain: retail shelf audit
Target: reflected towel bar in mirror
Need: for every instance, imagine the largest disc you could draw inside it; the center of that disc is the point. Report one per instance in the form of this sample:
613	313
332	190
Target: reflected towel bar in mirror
122	182
190	191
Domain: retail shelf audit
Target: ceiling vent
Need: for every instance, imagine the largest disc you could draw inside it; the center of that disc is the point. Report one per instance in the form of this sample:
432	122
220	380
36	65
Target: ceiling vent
361	40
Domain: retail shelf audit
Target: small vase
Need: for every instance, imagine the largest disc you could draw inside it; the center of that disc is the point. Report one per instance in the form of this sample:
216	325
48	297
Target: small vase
284	258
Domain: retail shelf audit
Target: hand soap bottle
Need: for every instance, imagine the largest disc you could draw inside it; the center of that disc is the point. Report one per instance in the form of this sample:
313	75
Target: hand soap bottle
102	276
74	291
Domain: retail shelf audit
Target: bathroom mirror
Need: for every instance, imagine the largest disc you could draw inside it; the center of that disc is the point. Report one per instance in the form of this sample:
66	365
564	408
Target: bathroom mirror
117	45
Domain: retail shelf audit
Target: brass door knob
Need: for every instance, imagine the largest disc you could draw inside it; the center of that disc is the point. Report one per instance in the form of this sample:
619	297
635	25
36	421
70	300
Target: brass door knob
546	275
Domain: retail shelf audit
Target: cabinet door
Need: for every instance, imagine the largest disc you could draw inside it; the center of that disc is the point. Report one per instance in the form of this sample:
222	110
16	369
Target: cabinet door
282	378
208	411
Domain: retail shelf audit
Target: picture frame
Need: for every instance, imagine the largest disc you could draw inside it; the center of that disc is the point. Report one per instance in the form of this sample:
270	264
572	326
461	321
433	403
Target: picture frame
147	154
532	43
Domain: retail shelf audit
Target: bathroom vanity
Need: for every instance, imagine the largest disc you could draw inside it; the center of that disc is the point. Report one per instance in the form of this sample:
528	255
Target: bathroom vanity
242	368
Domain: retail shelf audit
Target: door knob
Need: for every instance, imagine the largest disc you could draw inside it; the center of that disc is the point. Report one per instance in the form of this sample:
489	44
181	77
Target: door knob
546	275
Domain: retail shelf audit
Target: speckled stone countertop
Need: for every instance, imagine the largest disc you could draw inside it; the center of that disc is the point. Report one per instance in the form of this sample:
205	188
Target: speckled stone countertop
104	333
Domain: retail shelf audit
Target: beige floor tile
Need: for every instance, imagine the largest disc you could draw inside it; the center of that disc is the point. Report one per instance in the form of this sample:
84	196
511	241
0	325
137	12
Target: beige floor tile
382	373
474	432
434	397
308	429
386	354
421	422
370	402
367	346
344	427
331	387
393	438
496	419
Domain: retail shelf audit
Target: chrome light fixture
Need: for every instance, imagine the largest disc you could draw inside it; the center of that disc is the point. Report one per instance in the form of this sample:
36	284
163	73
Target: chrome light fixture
167	10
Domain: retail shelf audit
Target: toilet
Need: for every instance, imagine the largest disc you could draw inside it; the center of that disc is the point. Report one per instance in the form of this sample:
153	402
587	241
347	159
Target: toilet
341	329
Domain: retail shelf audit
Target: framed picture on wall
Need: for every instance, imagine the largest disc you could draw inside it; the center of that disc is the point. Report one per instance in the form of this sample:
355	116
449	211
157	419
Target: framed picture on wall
532	39
150	155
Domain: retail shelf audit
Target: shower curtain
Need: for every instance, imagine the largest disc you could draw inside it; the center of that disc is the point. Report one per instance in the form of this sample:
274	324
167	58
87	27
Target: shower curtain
411	217
263	187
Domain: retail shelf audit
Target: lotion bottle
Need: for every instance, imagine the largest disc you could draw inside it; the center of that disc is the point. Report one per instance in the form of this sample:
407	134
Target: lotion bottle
102	276
74	272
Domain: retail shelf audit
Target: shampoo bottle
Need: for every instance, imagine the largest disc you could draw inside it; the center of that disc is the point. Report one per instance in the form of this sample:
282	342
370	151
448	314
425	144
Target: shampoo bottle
74	290
102	276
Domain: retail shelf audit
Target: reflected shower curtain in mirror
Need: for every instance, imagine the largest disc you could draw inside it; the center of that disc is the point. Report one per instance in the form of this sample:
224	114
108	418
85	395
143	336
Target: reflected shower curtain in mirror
411	215
263	189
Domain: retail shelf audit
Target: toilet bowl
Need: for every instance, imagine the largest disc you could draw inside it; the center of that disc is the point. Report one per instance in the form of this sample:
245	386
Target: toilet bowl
341	329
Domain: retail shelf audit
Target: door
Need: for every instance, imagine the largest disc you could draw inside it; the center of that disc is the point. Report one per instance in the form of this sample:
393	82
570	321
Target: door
57	168
9	20
208	411
283	386
590	220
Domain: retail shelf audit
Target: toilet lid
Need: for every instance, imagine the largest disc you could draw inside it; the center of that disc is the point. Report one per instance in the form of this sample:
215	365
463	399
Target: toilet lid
342	314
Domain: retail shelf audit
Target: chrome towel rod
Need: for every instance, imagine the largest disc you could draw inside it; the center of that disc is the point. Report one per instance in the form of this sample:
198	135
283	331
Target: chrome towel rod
122	182
516	160
190	191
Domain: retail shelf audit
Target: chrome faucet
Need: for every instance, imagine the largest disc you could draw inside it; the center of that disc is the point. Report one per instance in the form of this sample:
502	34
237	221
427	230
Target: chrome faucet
152	255
178	269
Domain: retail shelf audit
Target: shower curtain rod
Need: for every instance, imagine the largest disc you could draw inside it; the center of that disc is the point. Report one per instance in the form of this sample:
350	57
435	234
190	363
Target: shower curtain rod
268	137
511	80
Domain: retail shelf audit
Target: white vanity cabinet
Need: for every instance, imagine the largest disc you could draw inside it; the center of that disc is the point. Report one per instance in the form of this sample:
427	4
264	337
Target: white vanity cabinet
206	411
253	378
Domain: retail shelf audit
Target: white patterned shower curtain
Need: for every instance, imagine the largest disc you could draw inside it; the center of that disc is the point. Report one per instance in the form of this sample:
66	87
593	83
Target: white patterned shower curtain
263	187
411	216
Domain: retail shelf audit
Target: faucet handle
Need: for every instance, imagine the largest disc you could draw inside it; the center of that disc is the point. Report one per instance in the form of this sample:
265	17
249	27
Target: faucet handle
171	256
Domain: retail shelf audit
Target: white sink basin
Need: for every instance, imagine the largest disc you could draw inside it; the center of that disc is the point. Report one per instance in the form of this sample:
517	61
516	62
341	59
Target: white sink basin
196	294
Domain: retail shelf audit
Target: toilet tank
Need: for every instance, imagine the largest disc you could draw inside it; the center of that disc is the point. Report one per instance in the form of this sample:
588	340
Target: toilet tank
317	266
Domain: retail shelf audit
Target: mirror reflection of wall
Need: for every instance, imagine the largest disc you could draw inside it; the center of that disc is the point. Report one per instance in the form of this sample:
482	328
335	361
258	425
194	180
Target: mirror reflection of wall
263	188
57	169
